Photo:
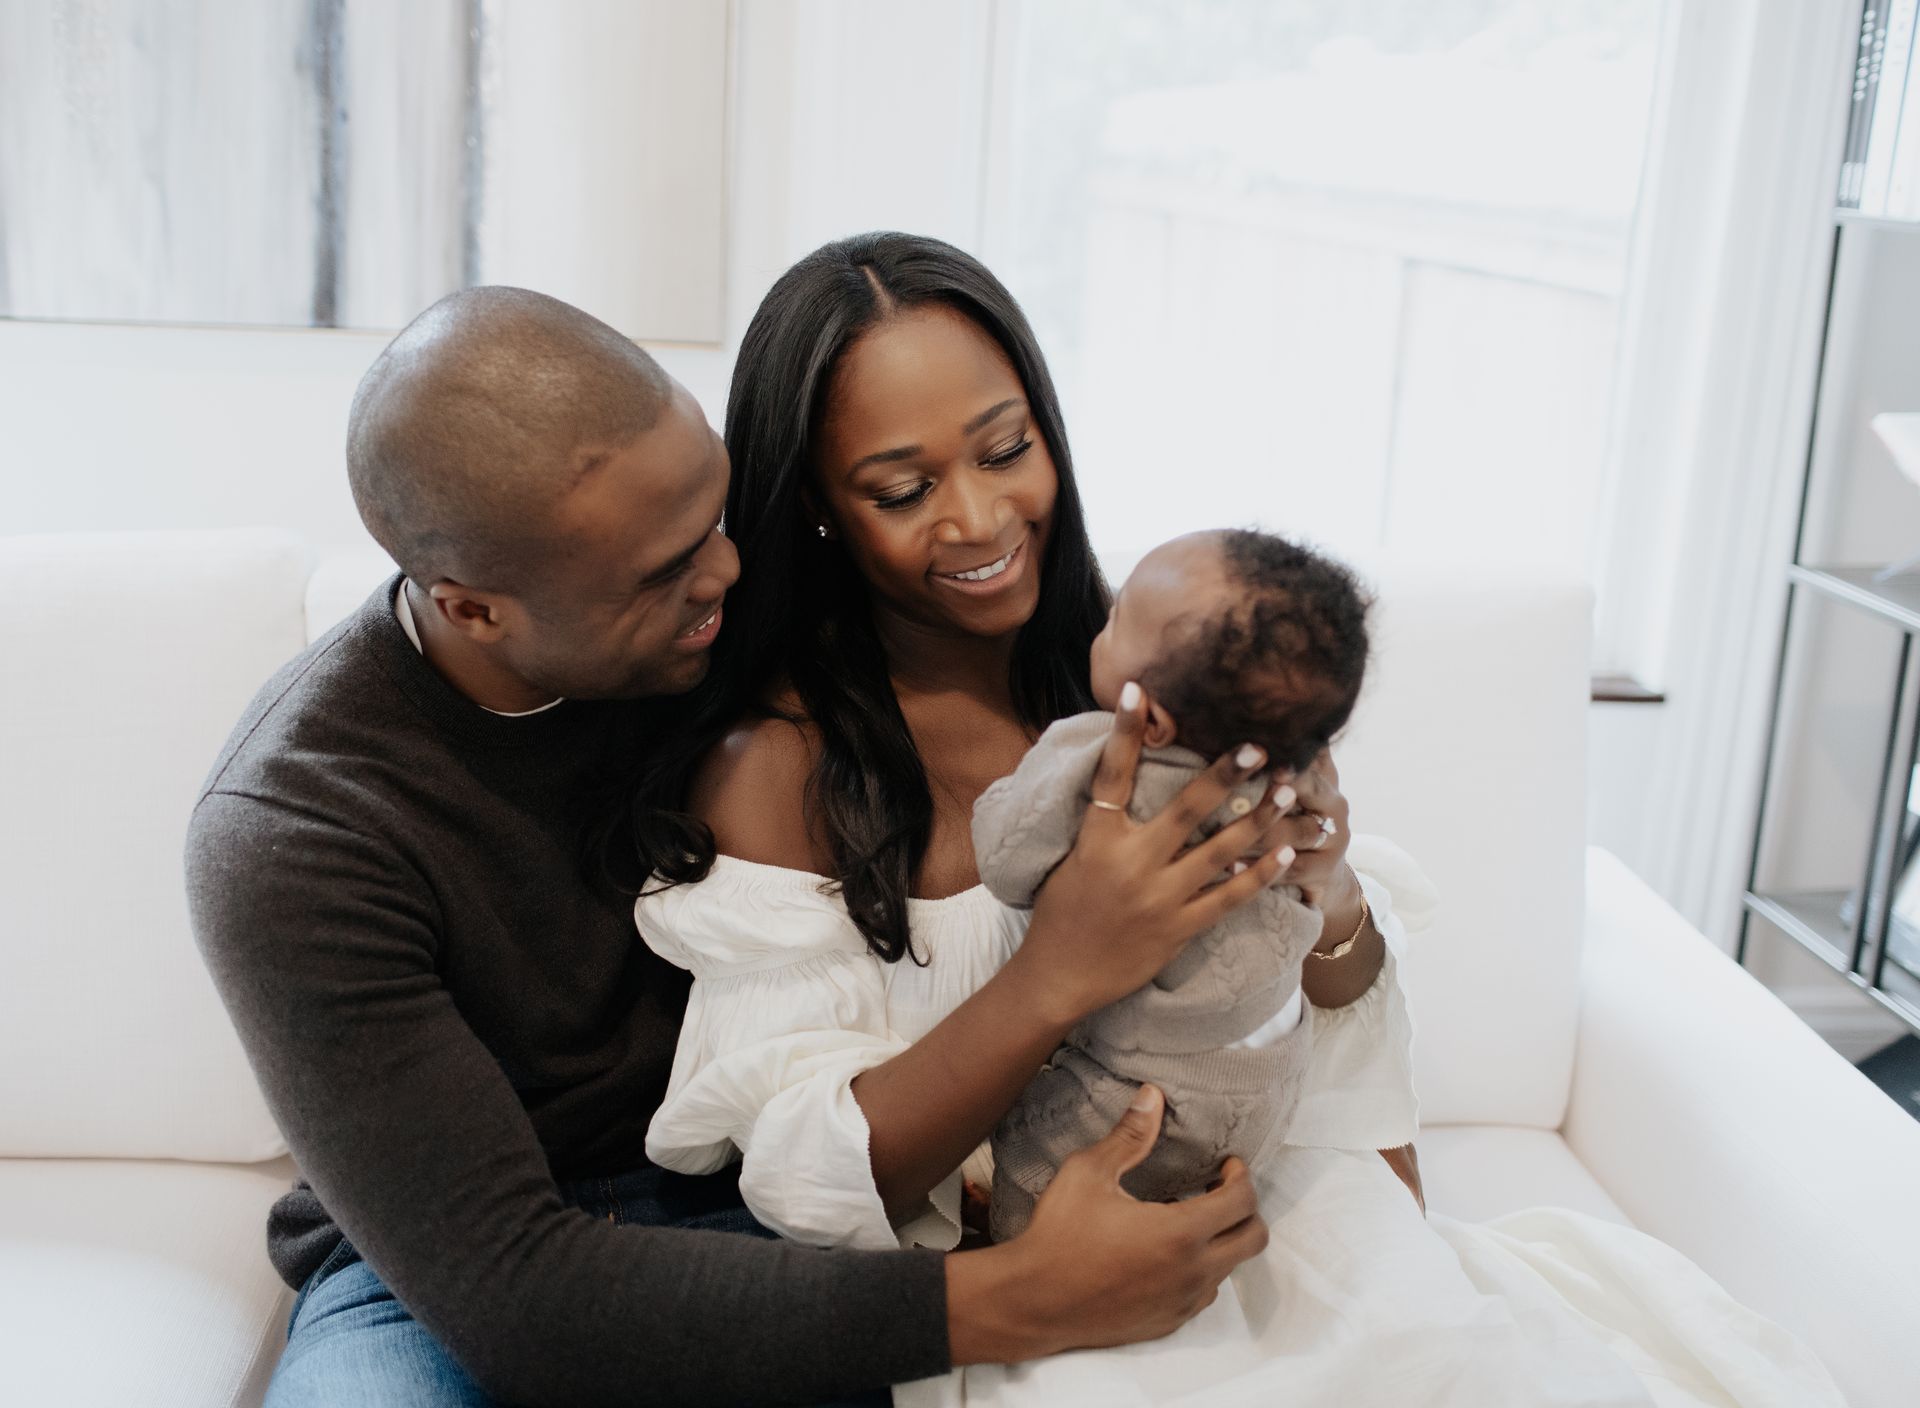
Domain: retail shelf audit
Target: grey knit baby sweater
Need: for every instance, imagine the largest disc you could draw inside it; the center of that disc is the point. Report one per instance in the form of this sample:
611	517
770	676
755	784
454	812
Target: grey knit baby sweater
1179	1032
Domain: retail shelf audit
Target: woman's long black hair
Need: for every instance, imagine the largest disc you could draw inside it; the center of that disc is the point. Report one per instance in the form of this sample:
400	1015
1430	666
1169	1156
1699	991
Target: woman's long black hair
800	614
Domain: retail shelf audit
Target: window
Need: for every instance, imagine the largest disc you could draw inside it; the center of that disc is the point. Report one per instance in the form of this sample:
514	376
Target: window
1348	271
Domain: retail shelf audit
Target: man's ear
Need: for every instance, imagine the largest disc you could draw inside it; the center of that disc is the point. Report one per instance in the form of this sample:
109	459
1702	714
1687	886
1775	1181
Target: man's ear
1161	729
475	615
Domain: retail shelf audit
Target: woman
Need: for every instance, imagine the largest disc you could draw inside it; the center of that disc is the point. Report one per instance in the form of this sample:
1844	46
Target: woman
917	604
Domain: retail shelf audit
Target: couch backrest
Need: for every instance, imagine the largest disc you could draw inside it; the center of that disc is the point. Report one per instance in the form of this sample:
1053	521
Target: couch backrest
132	655
128	657
1469	752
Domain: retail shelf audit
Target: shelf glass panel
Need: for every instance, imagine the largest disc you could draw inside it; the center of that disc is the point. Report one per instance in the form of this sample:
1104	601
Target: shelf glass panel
1812	919
1897	599
1903	950
1899	990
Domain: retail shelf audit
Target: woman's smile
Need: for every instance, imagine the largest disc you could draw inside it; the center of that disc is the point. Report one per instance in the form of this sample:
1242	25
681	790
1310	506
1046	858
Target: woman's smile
991	578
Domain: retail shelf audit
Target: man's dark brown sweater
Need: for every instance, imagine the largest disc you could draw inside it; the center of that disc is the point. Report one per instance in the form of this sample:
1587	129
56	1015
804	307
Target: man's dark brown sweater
447	1016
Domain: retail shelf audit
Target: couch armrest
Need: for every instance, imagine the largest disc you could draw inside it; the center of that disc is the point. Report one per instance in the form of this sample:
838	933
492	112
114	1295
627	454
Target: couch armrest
1721	1124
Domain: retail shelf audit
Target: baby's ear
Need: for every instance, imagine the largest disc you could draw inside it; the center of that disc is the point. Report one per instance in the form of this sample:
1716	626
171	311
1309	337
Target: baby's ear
1161	729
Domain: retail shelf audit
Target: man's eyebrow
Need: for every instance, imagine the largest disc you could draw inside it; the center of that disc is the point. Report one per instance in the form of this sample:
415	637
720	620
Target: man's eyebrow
907	452
680	559
673	564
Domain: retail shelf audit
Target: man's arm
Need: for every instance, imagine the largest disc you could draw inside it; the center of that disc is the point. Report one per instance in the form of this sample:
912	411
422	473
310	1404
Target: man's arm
322	945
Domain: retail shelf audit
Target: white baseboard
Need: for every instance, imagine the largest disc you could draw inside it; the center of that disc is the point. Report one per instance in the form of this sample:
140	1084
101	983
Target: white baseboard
1848	1021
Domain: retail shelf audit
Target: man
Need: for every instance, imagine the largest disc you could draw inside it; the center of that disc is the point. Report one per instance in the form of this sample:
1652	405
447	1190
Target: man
454	1022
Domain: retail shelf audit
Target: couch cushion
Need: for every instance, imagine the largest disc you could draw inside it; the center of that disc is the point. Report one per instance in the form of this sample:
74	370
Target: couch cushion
135	1282
129	656
1728	1129
1474	1172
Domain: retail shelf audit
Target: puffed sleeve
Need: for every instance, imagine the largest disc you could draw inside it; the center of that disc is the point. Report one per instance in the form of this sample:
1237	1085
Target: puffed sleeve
1358	1092
787	1007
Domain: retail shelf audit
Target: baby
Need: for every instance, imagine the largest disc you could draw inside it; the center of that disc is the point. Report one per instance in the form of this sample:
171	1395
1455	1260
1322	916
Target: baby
1237	637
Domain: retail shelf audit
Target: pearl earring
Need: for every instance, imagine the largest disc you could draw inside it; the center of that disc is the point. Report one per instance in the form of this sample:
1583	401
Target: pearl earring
823	530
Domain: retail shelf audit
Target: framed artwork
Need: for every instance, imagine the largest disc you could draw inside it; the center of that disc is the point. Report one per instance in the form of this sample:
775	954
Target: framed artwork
342	163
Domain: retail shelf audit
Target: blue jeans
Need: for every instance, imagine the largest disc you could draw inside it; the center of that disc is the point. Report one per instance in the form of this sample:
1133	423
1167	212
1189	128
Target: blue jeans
350	1342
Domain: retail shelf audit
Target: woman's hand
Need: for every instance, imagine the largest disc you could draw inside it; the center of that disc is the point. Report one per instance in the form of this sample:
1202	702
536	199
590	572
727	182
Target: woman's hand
1325	879
1129	895
1319	868
1112	914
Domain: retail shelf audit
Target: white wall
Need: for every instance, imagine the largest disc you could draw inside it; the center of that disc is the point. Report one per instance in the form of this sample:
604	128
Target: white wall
123	427
845	115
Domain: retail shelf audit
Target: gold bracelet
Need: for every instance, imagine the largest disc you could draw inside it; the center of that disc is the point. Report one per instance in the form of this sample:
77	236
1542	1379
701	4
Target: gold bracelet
1341	950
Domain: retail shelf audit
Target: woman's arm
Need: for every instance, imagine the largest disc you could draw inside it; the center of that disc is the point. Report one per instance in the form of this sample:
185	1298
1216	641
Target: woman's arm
1327	880
1112	915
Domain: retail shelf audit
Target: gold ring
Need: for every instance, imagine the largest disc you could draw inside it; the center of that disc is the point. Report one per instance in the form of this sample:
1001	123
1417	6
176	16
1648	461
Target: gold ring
1108	806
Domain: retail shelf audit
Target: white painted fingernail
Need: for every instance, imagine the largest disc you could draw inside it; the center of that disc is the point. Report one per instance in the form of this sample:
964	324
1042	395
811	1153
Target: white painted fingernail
1285	798
1249	756
1129	697
1285	856
1239	866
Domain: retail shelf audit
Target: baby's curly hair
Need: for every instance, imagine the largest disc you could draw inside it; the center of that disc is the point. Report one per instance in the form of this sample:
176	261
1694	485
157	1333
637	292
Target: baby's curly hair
1280	667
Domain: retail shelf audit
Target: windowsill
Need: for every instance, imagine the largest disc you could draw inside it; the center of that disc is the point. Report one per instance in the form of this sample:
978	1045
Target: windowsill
1623	689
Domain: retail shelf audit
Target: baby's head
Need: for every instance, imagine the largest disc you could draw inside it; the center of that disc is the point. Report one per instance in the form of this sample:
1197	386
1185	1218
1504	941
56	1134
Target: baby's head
1237	637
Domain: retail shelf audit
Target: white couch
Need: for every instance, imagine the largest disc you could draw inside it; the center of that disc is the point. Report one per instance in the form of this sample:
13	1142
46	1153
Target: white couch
1579	1044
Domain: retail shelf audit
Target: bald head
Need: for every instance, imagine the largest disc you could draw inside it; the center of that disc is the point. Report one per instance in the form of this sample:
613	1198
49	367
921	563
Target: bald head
477	419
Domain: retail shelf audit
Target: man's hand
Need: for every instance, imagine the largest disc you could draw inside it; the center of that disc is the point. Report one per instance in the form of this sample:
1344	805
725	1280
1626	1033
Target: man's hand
1095	1265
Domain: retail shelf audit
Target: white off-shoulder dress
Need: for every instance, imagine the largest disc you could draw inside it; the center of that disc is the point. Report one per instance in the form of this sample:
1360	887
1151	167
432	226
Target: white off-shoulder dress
1358	1301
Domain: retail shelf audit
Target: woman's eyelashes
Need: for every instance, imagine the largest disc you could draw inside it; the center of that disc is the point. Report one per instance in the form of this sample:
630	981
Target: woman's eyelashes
907	498
1010	456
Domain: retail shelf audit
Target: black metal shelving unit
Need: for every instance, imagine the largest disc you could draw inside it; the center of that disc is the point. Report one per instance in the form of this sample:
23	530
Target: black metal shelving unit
1856	931
1853	931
